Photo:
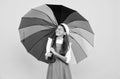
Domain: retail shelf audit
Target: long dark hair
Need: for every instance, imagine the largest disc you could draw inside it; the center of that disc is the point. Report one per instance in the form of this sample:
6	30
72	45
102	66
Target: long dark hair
64	47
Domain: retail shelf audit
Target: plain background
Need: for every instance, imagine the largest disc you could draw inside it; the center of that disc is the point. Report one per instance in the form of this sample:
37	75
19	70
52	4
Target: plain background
103	63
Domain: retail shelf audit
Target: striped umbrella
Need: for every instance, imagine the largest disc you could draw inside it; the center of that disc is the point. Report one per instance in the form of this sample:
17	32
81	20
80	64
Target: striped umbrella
40	23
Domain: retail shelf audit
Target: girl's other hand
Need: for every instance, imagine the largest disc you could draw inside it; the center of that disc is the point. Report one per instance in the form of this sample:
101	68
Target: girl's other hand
53	50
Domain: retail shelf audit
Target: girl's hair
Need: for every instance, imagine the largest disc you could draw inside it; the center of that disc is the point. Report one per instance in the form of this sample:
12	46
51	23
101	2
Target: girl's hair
64	47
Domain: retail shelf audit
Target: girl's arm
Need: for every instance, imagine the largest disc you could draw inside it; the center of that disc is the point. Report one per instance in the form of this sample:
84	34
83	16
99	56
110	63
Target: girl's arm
58	55
61	57
65	58
48	54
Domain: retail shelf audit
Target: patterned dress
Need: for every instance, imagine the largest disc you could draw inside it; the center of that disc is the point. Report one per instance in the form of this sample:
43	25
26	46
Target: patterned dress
59	69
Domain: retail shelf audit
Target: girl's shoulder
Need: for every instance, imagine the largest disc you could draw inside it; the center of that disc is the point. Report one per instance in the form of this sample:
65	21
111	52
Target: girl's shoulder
49	38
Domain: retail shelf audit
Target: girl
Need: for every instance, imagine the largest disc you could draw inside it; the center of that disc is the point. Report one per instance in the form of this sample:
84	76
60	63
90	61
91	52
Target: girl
61	53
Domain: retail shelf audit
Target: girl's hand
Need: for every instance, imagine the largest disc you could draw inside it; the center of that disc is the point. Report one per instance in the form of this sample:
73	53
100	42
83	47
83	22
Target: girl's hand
53	50
48	54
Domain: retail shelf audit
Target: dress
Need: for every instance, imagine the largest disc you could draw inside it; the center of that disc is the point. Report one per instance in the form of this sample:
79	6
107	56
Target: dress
58	70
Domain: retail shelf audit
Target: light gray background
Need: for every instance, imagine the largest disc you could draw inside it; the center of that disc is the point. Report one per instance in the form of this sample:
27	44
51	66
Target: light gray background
103	63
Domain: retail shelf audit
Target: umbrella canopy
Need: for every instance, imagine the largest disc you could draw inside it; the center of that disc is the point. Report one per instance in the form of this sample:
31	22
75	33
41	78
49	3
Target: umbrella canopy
40	23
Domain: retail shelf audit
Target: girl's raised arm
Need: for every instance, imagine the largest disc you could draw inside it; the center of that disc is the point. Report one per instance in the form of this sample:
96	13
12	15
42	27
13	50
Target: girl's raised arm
48	46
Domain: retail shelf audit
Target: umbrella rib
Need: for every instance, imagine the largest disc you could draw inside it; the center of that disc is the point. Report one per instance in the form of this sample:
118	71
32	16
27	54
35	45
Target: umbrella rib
45	14
39	40
84	38
79	45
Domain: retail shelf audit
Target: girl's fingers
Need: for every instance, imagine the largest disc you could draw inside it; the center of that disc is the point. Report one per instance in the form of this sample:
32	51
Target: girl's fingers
48	54
52	49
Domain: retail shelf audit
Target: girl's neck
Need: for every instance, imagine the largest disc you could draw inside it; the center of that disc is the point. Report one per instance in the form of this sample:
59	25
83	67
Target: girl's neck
59	40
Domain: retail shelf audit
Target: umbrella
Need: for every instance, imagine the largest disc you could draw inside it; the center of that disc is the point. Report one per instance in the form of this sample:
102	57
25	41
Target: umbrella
40	23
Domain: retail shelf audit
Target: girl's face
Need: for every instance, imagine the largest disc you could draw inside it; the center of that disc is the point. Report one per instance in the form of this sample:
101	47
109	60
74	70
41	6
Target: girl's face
60	31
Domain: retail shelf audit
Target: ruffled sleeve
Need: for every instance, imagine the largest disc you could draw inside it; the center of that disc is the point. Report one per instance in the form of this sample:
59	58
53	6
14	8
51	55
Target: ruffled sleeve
49	42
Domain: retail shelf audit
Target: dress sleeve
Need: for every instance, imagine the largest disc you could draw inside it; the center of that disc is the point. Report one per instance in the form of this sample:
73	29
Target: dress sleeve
68	54
48	45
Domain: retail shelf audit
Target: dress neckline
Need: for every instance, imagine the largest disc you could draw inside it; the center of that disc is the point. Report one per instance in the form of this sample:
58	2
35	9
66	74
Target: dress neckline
59	41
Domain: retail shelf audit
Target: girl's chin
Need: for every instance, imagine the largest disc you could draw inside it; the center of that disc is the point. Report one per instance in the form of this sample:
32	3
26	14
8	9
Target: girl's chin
58	34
